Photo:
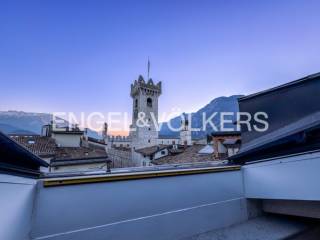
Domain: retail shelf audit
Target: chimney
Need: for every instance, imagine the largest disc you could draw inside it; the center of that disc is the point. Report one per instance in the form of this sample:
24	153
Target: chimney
109	162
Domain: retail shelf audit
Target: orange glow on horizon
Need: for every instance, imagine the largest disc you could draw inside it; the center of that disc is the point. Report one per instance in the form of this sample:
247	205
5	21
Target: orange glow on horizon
118	133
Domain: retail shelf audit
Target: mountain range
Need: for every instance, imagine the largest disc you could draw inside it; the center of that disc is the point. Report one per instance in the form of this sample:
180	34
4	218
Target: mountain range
217	105
18	122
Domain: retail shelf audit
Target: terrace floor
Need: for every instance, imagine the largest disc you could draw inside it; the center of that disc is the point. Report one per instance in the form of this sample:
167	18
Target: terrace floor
266	227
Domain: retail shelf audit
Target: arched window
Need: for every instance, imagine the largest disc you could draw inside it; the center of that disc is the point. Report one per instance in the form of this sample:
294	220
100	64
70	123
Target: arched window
136	103
149	102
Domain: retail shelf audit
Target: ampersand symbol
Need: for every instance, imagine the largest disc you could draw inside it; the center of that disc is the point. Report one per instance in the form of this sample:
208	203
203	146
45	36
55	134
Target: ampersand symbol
141	121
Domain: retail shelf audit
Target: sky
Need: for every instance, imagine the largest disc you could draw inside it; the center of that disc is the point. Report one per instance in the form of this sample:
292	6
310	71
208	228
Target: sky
82	55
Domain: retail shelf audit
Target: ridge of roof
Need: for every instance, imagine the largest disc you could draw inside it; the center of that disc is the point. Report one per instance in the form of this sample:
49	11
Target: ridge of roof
282	86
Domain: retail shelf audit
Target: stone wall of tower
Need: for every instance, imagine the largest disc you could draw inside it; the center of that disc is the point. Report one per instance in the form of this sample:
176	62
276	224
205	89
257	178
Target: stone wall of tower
185	133
145	100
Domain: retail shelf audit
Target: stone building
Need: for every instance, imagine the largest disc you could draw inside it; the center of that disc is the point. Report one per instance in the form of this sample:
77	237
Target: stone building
144	132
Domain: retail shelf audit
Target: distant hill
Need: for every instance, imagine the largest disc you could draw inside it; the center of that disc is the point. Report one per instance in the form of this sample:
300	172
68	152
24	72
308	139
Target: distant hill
31	122
220	104
18	122
8	129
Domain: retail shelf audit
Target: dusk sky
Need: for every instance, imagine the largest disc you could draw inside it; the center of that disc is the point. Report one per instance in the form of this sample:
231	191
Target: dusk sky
83	55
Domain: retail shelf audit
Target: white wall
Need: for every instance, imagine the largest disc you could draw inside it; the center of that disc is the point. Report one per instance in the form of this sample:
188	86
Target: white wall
67	140
79	168
157	208
293	178
16	205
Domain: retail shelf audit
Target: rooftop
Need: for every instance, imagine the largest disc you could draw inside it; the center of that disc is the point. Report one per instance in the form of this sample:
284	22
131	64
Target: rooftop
63	153
41	146
151	150
189	155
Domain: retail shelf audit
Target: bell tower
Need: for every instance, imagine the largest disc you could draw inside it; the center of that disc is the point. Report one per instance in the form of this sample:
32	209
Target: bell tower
144	96
185	132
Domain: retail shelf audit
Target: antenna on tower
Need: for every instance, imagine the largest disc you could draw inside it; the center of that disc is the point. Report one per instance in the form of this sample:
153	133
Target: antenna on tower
148	69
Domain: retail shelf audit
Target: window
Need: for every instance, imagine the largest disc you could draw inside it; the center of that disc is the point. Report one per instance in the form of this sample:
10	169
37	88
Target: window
149	129
136	103
163	152
149	141
149	102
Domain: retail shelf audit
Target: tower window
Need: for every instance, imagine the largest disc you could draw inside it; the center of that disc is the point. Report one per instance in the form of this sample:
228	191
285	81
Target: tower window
149	102
136	103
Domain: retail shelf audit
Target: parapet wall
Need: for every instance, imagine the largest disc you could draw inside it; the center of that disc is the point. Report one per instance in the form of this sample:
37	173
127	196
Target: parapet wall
158	207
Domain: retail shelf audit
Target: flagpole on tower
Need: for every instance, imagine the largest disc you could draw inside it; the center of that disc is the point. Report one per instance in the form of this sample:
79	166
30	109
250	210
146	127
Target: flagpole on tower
148	69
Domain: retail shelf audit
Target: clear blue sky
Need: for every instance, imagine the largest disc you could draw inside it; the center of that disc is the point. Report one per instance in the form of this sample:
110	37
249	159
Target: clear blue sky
62	55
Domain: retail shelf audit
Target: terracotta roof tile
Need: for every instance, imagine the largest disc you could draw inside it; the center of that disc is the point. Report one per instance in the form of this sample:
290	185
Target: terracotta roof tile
151	150
63	153
38	145
189	155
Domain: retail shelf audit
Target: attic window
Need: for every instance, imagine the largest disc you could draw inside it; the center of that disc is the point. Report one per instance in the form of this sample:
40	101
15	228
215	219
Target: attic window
149	102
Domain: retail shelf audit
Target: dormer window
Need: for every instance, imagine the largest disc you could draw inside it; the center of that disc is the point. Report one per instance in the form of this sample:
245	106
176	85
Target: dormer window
149	102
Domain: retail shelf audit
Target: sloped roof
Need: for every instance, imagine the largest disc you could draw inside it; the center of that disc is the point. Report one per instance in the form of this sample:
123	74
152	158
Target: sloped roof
39	145
151	150
94	140
15	158
189	155
292	121
286	85
63	153
46	147
287	134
